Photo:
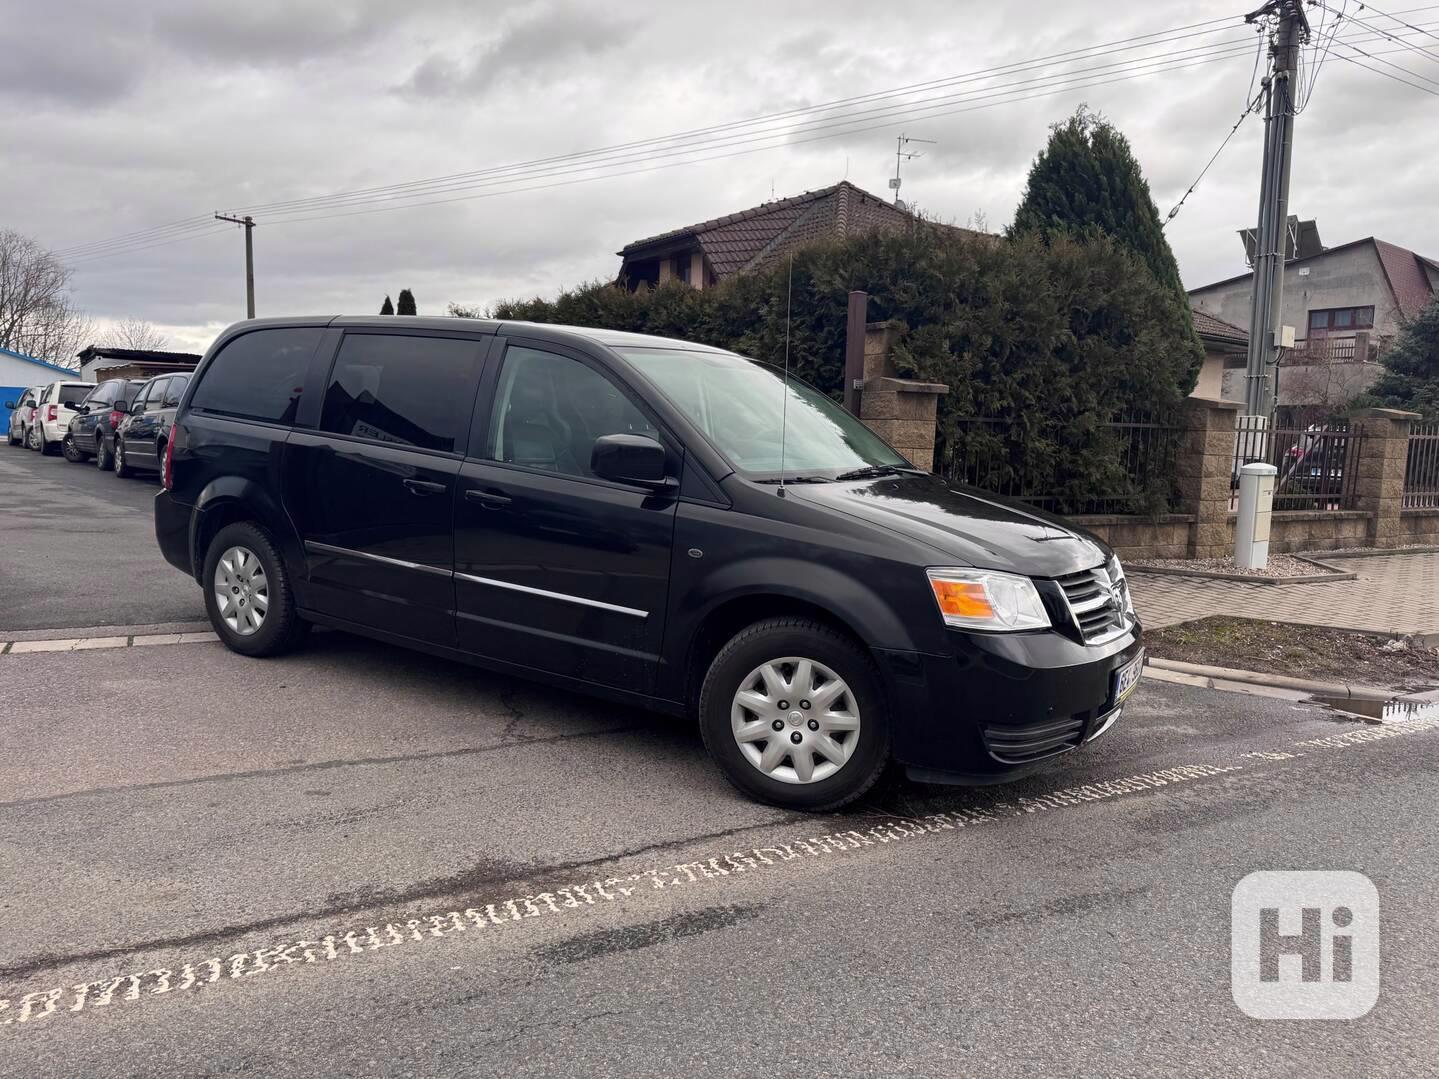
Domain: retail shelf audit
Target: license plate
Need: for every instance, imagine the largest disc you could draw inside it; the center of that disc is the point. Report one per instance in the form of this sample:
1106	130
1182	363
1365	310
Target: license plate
1127	678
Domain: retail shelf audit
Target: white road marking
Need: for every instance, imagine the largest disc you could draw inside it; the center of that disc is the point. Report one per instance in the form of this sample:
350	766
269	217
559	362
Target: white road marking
502	915
82	644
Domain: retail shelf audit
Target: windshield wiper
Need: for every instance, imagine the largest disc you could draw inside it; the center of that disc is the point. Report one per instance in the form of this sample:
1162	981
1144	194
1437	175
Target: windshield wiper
877	470
797	479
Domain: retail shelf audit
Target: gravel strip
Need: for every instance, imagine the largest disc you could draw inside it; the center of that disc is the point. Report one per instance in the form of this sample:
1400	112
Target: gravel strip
1280	565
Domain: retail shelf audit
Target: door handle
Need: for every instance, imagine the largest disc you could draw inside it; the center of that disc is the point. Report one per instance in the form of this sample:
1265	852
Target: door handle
488	499
423	487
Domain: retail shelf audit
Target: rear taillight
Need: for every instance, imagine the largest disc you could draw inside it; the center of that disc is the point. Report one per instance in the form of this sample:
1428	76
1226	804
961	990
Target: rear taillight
115	419
167	474
51	413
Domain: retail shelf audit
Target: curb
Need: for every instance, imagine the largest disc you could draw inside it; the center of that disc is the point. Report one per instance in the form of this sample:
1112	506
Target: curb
1333	573
1278	681
1376	552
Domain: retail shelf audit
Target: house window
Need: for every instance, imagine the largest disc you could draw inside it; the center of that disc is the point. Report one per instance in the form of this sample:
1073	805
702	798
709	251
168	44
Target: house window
1340	320
682	267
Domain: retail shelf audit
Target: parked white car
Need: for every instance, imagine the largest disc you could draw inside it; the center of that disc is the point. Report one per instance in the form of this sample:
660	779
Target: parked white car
53	409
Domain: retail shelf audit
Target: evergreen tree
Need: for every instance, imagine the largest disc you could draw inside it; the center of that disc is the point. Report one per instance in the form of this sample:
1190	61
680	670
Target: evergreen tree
1410	379
1086	182
387	308
406	305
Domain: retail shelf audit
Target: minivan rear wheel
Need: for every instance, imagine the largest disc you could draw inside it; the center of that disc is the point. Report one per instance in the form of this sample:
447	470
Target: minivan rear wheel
793	712
247	593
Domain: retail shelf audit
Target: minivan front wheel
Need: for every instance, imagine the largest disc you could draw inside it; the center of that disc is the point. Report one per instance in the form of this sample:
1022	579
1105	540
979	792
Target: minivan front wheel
247	593
792	710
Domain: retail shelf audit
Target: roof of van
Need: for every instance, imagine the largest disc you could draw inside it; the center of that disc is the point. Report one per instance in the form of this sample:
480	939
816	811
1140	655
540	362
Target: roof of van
600	335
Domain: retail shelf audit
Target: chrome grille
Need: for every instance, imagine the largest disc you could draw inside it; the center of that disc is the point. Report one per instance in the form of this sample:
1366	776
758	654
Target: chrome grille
1095	602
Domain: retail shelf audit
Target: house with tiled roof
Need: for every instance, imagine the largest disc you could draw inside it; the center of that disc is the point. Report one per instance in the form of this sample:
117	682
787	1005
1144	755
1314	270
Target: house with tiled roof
1226	347
704	254
1345	304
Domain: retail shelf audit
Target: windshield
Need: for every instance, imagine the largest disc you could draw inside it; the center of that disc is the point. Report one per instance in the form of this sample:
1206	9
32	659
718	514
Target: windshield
740	404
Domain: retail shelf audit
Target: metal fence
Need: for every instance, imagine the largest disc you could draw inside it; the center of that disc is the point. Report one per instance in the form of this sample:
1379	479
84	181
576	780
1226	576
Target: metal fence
1421	472
1318	465
1123	466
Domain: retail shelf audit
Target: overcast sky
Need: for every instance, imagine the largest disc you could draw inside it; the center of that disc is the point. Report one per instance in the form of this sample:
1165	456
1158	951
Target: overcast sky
121	117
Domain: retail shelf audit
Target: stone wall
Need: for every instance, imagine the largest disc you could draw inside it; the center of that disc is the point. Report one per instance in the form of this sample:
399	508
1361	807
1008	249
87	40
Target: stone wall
1165	536
1418	526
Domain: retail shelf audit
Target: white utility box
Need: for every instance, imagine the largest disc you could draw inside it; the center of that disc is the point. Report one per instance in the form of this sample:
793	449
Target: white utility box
1251	528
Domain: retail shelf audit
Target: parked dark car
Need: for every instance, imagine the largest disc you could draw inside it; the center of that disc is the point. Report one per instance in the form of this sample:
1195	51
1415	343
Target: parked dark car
662	523
92	428
144	433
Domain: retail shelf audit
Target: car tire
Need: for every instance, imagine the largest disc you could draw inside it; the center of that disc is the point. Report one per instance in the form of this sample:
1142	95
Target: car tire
776	648
122	470
280	628
104	458
47	449
30	442
73	453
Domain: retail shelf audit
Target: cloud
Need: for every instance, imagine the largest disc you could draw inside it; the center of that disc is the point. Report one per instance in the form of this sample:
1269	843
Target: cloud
117	118
527	52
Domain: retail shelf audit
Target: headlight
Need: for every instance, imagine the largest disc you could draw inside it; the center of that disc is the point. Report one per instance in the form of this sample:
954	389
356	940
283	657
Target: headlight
983	599
1116	576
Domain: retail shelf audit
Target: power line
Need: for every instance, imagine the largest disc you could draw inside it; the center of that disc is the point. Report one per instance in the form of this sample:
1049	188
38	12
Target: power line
512	179
1401	22
1248	110
1386	33
1387	75
922	108
1106	48
1389	63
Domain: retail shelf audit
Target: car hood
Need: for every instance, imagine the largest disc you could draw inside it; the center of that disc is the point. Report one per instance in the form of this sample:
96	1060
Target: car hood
965	525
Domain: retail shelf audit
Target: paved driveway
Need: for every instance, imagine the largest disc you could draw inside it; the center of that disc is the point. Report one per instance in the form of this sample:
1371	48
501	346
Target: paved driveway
77	548
1396	593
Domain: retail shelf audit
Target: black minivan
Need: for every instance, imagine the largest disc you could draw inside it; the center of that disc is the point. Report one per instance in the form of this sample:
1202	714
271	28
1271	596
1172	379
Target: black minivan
662	523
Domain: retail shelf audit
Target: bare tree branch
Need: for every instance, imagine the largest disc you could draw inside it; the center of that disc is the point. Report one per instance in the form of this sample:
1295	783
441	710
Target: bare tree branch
37	316
138	334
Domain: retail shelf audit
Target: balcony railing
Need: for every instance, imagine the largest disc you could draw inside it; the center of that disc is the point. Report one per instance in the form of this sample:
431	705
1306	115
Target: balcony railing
1361	347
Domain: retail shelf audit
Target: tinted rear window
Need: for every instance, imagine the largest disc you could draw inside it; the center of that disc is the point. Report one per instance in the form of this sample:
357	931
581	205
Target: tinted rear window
72	393
258	376
104	394
412	391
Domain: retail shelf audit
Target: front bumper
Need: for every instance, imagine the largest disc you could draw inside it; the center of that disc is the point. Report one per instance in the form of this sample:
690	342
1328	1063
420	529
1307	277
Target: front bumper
1000	705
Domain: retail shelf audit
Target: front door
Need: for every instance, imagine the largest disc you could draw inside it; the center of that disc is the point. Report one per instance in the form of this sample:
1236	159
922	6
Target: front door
372	490
141	431
555	568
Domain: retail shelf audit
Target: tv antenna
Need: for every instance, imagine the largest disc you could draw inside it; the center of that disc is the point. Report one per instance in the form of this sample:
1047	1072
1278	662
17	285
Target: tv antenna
901	154
784	401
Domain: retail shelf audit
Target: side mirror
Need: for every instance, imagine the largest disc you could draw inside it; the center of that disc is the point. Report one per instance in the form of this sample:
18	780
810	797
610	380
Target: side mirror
9	404
121	406
629	459
84	410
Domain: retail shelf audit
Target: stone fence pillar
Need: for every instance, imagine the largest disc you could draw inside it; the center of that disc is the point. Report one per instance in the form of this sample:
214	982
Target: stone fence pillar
1205	470
1383	457
901	411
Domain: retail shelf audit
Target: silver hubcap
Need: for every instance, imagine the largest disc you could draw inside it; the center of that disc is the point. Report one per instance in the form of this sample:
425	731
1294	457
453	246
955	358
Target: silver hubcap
242	591
795	720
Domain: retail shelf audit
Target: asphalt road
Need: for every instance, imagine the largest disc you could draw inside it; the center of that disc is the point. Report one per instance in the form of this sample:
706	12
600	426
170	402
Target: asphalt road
77	548
360	861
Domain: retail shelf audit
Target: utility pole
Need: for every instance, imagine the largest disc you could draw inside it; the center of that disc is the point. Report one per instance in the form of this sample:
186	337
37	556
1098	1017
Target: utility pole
901	154
1271	235
249	223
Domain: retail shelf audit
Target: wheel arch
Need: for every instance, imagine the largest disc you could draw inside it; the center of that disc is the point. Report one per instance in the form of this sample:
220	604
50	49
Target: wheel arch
771	588
230	499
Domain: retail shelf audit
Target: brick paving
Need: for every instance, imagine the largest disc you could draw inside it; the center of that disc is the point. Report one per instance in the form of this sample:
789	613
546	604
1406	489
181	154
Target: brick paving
1396	593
